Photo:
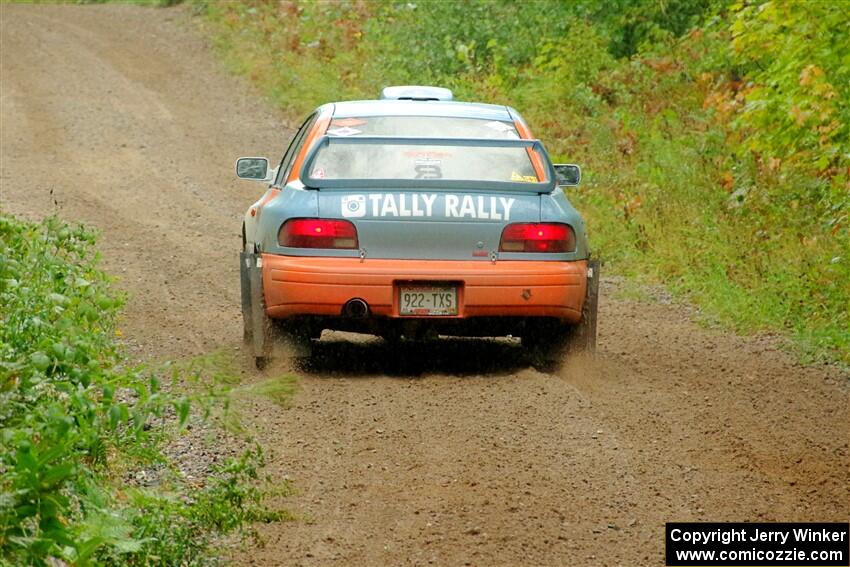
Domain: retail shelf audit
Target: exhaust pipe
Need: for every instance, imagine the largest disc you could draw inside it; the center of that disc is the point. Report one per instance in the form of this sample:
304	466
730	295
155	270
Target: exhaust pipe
355	308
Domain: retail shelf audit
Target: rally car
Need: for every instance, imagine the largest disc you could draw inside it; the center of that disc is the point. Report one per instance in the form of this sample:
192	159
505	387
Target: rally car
411	217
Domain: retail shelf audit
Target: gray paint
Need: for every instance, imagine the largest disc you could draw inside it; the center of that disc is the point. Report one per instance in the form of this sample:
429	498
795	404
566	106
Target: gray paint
393	236
438	237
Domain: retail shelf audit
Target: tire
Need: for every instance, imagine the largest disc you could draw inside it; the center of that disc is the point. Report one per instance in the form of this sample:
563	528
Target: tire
550	343
547	345
266	339
290	341
281	342
583	336
392	336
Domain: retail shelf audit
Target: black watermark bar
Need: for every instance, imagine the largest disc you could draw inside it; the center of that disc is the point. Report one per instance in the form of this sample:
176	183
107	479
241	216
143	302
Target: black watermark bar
692	544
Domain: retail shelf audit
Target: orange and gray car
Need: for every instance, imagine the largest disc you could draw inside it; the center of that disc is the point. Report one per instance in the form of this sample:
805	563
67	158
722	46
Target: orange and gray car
416	216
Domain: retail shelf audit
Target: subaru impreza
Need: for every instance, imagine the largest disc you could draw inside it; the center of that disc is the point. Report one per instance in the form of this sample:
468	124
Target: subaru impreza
416	216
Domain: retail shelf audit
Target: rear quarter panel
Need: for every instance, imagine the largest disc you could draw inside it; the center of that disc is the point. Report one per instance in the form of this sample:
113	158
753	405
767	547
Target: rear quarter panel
556	207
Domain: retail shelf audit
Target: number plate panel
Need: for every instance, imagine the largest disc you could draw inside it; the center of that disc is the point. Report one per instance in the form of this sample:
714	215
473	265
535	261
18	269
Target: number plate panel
427	300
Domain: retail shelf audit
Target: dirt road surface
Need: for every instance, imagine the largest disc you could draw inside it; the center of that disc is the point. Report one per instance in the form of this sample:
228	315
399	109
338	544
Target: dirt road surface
453	453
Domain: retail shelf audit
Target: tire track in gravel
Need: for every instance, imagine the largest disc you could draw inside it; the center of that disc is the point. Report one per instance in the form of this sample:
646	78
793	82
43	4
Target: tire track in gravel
446	453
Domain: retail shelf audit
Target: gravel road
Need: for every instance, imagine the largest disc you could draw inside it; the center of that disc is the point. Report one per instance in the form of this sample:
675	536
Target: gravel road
451	453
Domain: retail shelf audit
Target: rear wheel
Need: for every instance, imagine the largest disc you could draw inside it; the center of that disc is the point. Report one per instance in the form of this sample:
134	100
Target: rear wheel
266	338
550	343
392	336
281	342
583	336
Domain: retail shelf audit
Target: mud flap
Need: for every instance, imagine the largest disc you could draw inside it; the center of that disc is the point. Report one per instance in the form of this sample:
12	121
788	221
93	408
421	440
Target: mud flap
549	346
257	326
261	331
245	262
591	306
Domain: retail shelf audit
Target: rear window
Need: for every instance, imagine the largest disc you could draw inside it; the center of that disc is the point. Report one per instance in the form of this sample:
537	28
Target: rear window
400	161
422	126
410	162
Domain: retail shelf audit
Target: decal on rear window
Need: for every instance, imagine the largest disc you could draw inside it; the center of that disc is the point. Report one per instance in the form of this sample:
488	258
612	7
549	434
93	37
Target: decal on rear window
347	122
515	176
507	129
428	169
344	131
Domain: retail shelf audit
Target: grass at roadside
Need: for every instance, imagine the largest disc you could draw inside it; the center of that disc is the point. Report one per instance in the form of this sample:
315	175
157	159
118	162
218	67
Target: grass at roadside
85	472
695	177
219	380
150	3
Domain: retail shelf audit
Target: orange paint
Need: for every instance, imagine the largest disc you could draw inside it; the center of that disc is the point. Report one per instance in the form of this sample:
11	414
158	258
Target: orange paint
319	128
525	133
270	194
296	285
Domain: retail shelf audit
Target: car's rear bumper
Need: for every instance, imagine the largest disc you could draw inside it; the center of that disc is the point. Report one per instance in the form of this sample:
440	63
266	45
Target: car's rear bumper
295	286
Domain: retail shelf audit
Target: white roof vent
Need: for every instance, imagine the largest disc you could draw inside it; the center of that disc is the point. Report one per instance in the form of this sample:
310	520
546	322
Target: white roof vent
413	92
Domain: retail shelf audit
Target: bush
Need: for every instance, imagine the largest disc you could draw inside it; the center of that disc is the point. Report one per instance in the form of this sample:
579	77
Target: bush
74	418
713	136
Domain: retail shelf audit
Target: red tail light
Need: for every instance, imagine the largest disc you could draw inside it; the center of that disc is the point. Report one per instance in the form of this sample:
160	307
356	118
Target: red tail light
318	233
538	237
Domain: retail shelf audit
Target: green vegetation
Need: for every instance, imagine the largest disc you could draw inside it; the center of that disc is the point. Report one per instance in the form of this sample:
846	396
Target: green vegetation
713	134
218	379
79	427
152	3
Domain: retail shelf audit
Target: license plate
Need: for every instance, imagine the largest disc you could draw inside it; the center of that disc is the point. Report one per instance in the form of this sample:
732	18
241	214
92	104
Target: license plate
427	300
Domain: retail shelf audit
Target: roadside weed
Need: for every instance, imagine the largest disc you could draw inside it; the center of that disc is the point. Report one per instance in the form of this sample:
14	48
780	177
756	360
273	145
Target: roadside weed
85	476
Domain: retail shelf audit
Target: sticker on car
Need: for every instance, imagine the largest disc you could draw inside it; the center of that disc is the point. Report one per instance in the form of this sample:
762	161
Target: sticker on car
476	207
354	206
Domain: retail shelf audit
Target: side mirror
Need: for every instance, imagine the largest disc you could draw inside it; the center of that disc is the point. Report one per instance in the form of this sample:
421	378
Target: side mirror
256	168
569	175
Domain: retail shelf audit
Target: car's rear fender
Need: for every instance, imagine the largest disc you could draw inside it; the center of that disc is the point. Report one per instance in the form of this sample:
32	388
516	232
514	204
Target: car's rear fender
293	201
556	207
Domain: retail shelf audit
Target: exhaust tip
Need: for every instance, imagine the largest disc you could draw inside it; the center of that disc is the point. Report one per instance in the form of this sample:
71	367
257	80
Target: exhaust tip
355	308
